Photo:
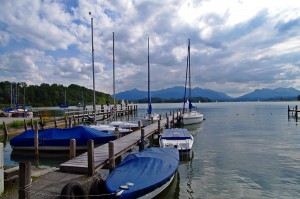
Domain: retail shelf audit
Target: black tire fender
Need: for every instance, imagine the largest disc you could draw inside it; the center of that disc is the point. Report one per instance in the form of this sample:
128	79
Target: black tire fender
73	190
97	188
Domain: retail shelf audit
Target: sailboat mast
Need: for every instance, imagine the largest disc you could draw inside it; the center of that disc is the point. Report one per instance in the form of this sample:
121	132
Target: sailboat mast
189	65
149	95
114	86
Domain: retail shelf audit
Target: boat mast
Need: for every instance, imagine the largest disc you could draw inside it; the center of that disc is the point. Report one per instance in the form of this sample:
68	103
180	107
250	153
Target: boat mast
114	86
149	95
94	104
190	84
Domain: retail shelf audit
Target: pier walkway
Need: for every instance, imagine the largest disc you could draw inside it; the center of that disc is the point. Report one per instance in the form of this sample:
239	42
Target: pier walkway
79	164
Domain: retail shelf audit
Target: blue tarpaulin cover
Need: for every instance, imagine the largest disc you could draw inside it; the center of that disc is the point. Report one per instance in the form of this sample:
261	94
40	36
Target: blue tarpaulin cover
146	171
176	134
61	137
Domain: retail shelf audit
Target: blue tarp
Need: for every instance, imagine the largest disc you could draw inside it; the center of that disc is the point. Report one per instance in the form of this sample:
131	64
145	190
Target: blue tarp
146	170
175	134
61	137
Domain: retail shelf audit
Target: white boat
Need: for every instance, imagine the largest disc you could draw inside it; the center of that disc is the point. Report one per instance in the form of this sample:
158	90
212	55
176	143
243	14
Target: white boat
124	125
191	116
176	138
149	116
110	129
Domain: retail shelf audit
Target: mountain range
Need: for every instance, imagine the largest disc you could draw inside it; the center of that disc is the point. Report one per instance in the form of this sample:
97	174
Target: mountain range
178	92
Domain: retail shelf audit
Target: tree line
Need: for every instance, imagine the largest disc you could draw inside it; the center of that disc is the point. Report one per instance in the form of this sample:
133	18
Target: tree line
48	95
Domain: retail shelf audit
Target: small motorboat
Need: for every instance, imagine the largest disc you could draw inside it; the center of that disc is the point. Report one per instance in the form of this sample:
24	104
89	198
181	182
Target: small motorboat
177	138
57	139
144	174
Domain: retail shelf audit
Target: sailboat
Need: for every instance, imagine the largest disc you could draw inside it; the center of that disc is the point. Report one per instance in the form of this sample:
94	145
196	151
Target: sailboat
191	116
149	116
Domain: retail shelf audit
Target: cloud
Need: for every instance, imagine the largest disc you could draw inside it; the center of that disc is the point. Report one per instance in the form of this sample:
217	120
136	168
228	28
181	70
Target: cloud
236	46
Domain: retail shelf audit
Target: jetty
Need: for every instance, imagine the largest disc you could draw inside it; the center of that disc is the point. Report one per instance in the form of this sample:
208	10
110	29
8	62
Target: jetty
293	111
83	168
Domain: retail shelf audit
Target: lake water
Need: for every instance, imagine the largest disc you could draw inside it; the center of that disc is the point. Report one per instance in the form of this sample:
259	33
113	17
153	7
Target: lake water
241	150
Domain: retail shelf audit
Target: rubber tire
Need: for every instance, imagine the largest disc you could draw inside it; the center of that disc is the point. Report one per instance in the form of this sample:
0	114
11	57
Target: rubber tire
73	190
97	188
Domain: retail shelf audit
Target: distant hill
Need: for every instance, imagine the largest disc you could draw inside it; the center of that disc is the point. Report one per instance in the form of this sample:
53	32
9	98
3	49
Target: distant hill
174	92
270	94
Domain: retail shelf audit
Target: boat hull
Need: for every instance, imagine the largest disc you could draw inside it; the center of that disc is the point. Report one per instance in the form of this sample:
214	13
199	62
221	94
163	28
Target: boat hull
150	118
145	173
191	118
177	138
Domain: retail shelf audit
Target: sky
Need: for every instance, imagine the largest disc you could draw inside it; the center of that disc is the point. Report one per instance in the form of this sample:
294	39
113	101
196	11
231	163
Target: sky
237	46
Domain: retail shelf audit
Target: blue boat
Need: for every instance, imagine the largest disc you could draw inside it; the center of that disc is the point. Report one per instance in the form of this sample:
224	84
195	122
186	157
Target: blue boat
144	174
57	139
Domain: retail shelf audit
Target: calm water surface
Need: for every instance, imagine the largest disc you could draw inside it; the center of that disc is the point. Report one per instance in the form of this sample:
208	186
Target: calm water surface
241	150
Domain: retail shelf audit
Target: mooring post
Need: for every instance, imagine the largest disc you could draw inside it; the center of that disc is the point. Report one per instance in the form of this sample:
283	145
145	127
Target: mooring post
91	162
139	124
111	154
158	127
72	153
74	120
36	140
142	143
55	122
66	122
70	122
167	121
296	111
24	179
173	119
31	124
25	125
5	129
151	120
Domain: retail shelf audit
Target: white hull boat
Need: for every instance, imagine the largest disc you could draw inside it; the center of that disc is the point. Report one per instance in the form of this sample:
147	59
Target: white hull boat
176	138
192	117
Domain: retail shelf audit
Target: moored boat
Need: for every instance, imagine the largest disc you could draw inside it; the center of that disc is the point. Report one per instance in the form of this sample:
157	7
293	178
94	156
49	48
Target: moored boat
144	174
125	125
111	129
56	139
176	138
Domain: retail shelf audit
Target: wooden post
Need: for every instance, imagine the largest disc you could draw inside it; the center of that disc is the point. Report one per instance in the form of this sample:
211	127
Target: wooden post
142	143
72	153
173	120
55	123
74	120
111	155
31	124
24	179
5	129
42	123
1	168
151	120
91	163
168	122
70	122
139	124
66	122
36	140
158	126
25	125
296	111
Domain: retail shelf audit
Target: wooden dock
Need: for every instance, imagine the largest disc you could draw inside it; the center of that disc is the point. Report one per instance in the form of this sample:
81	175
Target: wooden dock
79	164
294	112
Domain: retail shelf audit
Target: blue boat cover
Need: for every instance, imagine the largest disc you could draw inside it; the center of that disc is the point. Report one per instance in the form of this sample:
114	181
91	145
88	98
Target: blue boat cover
143	172
61	137
176	134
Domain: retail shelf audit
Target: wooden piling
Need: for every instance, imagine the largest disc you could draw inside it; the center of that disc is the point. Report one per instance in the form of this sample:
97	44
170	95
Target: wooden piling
158	127
91	162
25	125
116	132
70	122
139	124
111	155
5	129
72	152
31	124
142	143
55	123
66	122
24	179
